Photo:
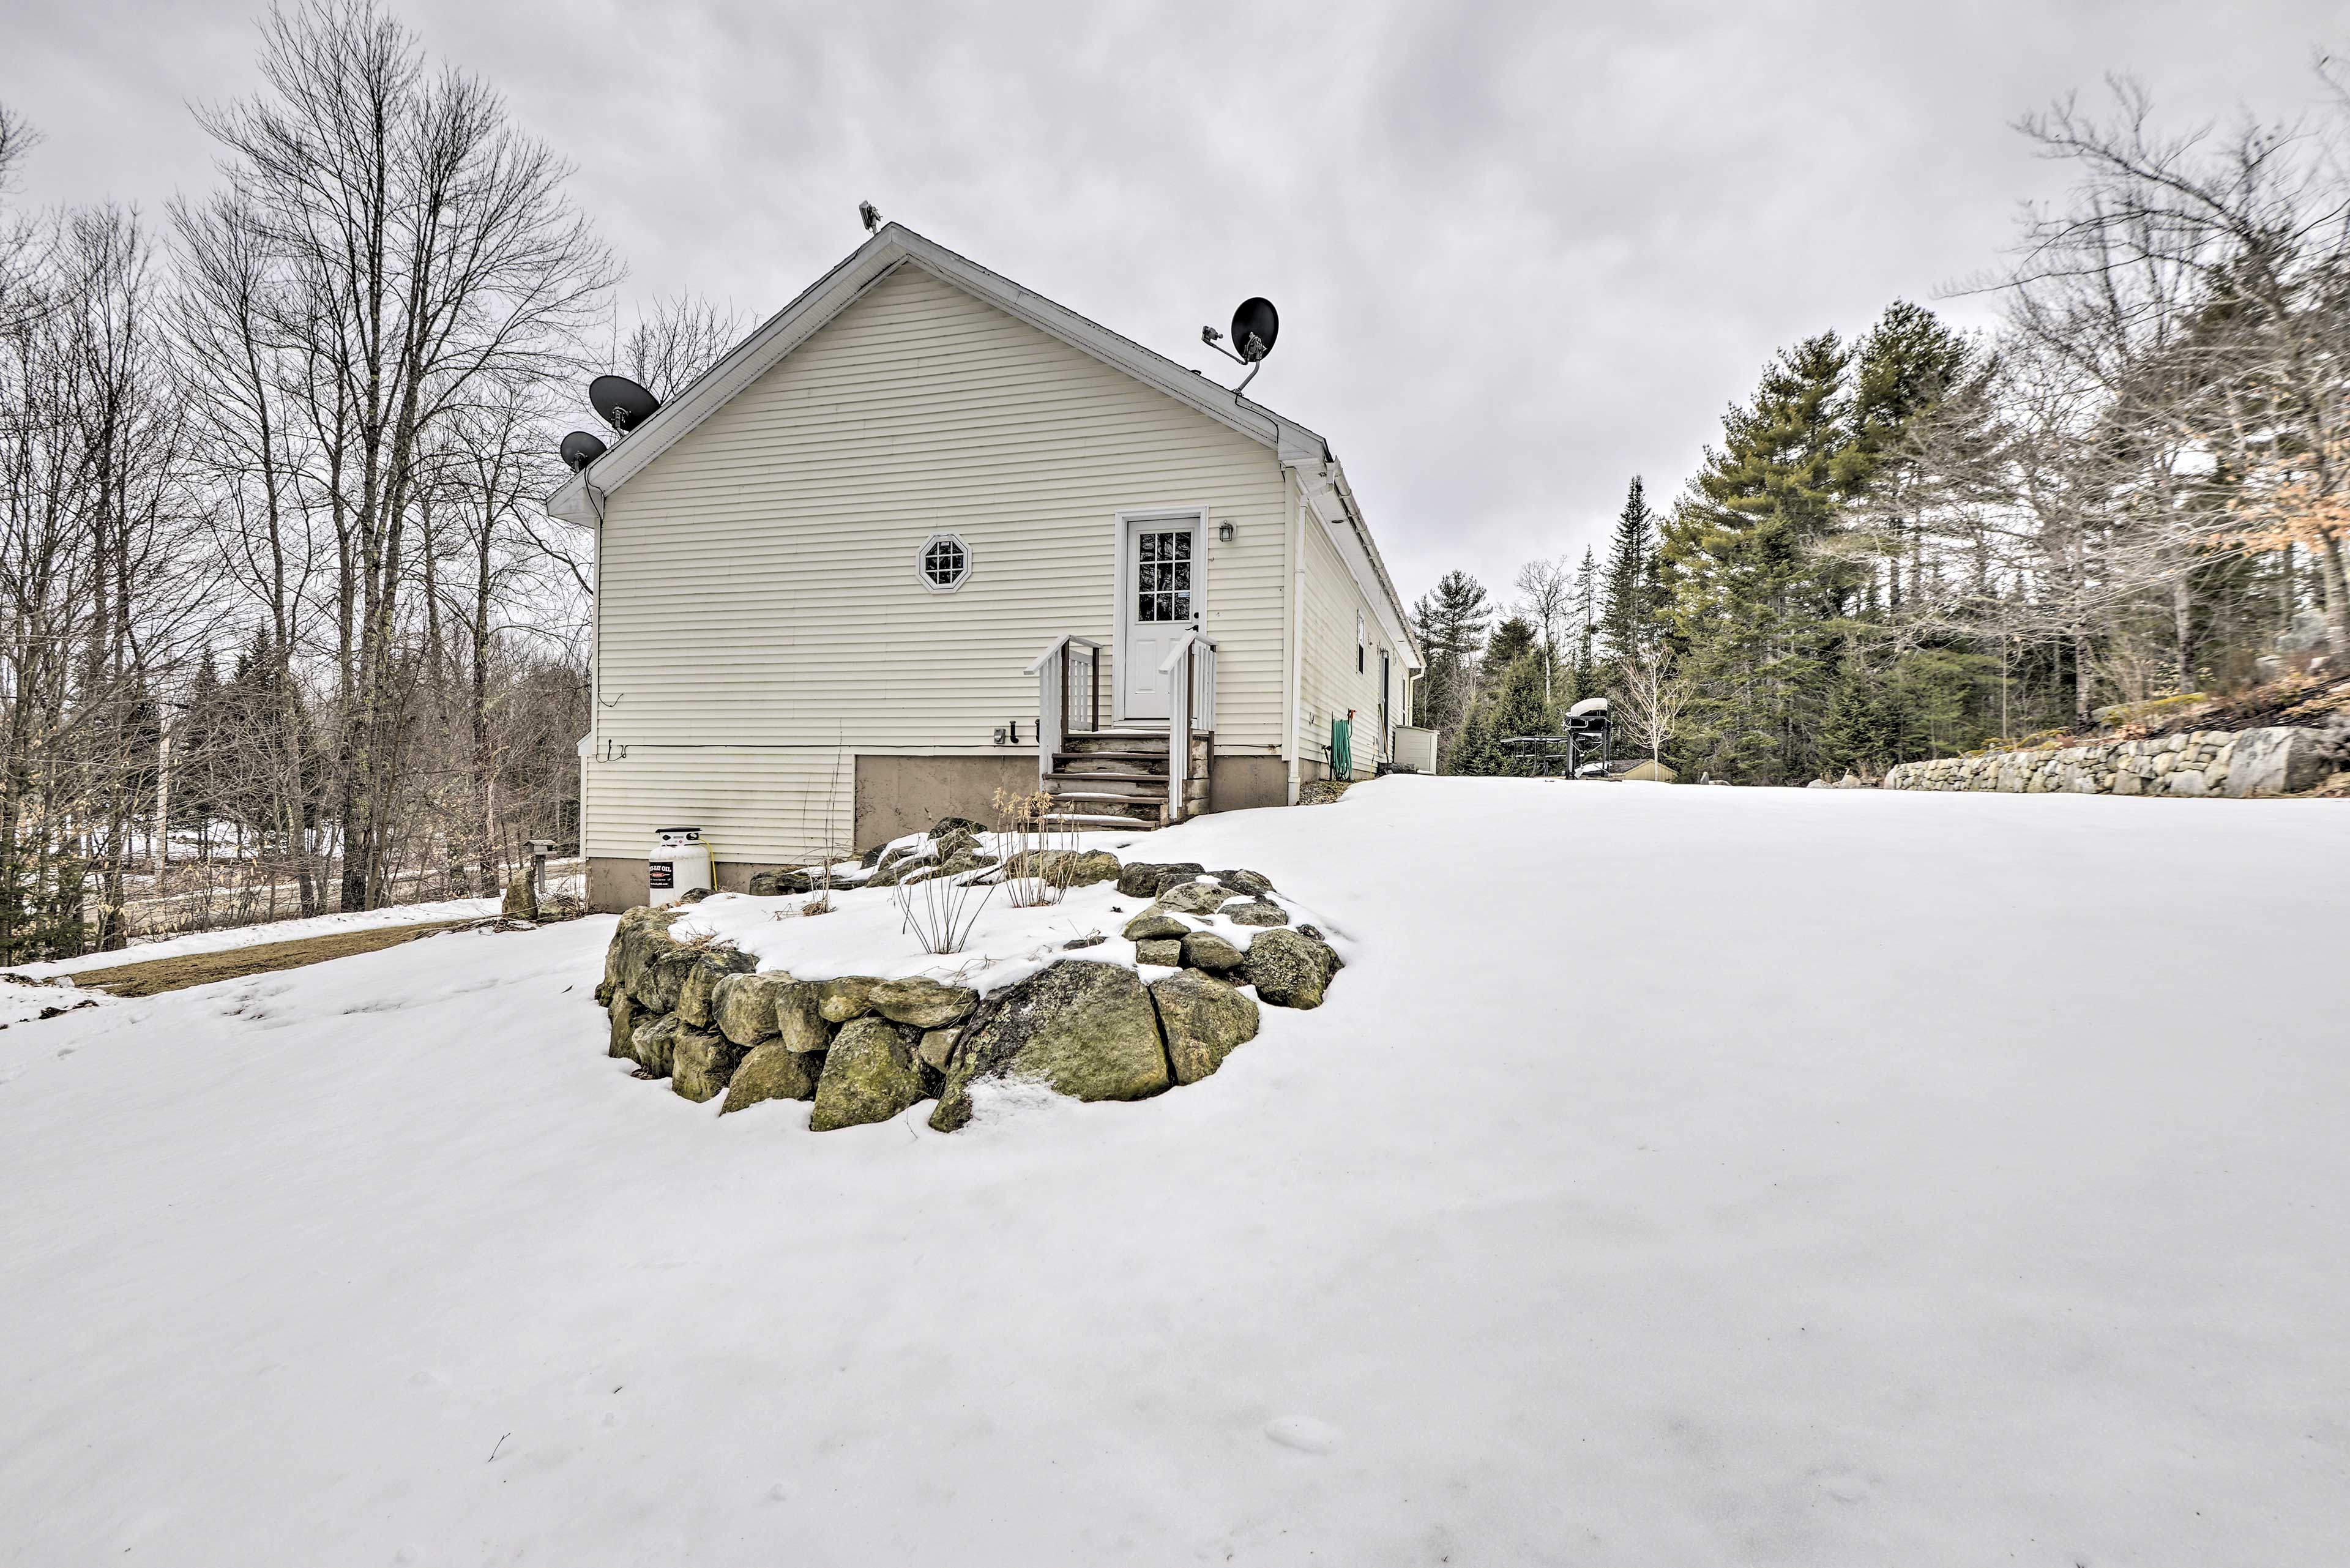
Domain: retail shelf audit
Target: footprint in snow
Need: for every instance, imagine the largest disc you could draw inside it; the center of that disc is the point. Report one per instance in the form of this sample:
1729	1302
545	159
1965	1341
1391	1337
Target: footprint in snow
1305	1434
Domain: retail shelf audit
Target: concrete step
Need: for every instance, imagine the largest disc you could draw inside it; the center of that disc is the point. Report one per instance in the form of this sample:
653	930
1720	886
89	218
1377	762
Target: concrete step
1081	778
1123	797
1142	759
1091	821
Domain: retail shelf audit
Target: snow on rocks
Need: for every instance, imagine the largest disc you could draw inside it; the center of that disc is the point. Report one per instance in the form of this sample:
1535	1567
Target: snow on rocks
1084	1027
2280	760
752	999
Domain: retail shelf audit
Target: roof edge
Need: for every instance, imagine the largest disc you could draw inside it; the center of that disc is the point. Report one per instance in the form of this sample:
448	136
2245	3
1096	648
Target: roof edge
847	280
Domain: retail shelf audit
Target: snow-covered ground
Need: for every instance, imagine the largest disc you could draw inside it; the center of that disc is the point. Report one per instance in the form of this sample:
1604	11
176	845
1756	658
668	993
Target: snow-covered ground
1676	1176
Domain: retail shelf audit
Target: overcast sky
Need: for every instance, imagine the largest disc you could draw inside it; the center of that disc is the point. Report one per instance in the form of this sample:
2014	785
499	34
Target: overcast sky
1520	252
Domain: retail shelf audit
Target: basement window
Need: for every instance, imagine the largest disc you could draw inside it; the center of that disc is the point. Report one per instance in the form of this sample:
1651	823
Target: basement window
946	563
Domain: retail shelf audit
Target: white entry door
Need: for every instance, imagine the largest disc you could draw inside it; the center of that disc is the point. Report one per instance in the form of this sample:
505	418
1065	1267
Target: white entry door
1161	604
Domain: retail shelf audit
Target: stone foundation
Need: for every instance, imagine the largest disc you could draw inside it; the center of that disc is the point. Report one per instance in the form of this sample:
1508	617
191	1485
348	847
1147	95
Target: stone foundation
2236	762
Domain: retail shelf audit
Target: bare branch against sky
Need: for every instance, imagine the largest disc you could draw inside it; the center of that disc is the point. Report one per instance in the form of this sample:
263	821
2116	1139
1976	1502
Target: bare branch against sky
1520	252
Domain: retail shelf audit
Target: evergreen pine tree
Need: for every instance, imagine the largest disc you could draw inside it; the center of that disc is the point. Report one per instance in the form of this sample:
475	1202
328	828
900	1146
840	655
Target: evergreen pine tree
1582	679
1520	708
1476	750
1450	623
1753	604
202	752
1512	640
1902	370
1632	595
1870	723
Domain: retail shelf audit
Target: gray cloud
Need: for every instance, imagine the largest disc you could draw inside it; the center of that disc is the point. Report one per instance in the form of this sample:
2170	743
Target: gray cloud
1522	252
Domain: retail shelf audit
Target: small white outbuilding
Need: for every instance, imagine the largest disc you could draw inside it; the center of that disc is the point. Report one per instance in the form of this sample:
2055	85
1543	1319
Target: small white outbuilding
925	535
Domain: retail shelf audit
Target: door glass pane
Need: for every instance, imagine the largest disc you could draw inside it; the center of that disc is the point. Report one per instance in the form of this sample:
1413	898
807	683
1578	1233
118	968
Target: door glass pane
1163	576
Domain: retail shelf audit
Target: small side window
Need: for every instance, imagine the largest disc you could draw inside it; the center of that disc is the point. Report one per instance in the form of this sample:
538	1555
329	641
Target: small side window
946	563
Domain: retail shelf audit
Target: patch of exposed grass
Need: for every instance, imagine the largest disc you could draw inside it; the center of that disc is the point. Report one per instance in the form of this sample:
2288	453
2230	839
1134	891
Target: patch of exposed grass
157	975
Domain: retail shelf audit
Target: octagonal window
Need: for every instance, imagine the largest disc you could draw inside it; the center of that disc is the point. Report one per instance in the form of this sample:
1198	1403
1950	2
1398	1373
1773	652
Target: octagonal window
946	563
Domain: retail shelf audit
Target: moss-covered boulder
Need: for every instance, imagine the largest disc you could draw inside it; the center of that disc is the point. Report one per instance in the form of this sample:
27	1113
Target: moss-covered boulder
772	1072
922	1002
1255	912
1207	951
743	1008
667	963
1254	883
1085	1029
799	1017
1143	880
850	996
960	864
521	900
1195	898
1290	969
708	966
1164	952
700	1064
1065	868
869	1075
643	939
654	1044
1153	924
775	883
1204	1019
623	1043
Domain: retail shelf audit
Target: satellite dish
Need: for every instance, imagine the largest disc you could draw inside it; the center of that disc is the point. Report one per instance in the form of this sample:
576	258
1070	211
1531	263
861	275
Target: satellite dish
579	449
1254	327
623	404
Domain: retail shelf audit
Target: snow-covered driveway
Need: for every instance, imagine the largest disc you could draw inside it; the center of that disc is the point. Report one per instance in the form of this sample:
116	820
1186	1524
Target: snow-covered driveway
1676	1176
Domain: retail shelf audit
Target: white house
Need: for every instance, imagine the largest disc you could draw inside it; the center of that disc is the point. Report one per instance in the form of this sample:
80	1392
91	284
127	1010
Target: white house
926	535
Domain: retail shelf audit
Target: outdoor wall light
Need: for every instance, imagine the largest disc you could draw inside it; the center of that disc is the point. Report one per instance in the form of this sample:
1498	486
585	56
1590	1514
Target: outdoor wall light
1224	533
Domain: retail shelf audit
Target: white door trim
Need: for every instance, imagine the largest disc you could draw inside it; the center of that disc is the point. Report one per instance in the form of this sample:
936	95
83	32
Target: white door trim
1121	527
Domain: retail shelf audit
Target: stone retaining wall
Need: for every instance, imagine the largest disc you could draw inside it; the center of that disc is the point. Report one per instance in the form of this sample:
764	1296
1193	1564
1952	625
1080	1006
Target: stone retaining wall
866	1049
2240	763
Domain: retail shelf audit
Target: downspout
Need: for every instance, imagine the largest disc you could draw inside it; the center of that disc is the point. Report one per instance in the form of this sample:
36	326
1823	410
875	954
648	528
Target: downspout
1296	632
596	498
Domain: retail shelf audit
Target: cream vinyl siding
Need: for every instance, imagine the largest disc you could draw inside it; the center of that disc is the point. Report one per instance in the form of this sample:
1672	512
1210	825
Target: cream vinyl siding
1328	685
760	620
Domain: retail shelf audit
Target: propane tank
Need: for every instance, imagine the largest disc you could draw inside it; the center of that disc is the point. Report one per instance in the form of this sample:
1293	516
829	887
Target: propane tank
679	863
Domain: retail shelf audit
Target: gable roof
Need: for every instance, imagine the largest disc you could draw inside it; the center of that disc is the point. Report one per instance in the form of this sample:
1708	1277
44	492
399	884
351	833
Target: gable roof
580	498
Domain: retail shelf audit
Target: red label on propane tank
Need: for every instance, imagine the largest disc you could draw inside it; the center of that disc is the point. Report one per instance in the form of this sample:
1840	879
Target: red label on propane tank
664	874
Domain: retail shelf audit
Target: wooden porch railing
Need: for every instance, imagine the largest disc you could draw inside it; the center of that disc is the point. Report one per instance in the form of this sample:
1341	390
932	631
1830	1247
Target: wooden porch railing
1068	694
1190	671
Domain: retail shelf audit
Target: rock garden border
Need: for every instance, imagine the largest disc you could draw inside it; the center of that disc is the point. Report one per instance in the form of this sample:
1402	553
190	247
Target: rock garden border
864	1049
